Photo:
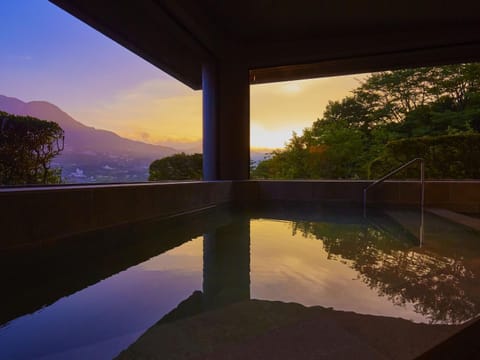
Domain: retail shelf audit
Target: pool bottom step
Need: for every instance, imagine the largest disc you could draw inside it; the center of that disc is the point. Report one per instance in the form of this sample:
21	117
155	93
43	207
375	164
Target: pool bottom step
441	235
468	221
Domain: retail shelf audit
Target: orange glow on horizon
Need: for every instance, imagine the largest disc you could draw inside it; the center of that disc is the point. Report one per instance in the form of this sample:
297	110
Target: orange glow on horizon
166	112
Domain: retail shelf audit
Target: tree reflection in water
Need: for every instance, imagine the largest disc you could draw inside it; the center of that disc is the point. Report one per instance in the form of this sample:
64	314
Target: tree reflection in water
441	284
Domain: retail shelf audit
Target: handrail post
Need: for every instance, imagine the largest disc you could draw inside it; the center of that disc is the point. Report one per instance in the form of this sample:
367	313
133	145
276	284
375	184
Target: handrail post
422	179
365	202
422	200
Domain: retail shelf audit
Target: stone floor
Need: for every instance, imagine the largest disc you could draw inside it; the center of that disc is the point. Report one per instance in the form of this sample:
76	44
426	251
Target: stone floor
256	329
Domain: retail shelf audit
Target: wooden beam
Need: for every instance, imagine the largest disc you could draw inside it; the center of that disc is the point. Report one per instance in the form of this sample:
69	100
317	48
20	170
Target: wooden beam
371	63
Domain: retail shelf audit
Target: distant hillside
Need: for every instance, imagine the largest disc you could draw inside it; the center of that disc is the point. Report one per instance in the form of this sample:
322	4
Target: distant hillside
81	138
92	155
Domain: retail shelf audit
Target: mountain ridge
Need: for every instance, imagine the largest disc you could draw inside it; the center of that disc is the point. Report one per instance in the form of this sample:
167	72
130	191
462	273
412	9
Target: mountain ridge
80	137
91	155
97	155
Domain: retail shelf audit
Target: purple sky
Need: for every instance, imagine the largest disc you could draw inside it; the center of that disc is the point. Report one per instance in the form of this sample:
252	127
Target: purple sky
47	54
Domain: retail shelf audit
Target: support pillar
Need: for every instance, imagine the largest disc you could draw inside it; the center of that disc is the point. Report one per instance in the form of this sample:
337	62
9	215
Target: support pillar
226	121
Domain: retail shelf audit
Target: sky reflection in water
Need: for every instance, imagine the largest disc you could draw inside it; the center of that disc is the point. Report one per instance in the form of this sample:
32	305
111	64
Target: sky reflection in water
349	266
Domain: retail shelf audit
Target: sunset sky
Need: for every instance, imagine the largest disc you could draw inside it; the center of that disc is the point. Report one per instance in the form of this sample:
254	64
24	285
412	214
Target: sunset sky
47	54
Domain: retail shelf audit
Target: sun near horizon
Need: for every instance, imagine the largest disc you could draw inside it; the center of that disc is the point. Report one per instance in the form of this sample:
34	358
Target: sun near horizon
101	84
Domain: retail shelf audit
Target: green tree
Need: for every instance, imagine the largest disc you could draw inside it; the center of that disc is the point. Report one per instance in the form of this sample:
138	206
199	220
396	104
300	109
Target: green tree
446	157
27	146
441	117
177	167
296	161
386	106
343	152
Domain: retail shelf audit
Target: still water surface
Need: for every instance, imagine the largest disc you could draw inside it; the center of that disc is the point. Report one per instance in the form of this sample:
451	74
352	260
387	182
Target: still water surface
332	258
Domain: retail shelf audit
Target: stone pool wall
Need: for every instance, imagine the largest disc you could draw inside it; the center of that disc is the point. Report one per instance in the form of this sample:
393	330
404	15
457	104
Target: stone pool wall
32	215
462	196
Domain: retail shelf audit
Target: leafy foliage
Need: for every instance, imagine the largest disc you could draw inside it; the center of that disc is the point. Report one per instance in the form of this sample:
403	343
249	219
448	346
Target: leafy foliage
177	167
446	157
27	146
387	106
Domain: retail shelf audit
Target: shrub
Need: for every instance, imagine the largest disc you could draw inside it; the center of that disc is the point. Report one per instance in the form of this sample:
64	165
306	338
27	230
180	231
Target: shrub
177	167
446	157
27	146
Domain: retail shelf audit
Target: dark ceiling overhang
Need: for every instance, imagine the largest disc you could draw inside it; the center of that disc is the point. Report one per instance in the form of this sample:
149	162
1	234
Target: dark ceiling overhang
287	40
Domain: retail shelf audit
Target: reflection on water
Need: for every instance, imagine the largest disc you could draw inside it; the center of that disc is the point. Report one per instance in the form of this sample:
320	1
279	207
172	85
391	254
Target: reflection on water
339	262
441	285
290	267
101	320
226	264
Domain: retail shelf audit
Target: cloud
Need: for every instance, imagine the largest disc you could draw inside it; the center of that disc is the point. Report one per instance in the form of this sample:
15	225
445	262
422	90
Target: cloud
154	90
271	138
298	103
164	110
144	136
151	111
278	109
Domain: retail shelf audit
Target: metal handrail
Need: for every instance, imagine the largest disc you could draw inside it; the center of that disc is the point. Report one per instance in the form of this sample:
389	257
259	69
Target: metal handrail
393	172
422	196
